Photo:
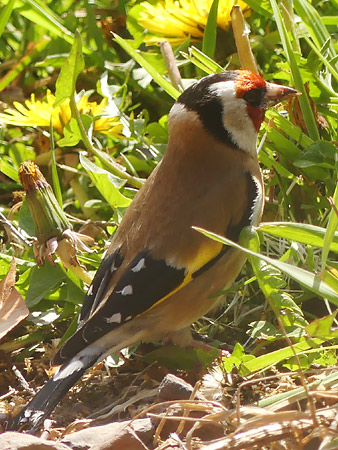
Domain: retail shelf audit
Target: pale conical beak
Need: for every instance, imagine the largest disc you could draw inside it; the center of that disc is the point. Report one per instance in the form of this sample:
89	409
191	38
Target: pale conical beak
276	93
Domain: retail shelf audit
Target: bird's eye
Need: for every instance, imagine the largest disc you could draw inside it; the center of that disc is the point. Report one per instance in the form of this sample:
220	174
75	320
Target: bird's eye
255	97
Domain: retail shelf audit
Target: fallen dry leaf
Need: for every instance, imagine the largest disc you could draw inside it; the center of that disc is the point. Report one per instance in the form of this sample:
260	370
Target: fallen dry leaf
13	308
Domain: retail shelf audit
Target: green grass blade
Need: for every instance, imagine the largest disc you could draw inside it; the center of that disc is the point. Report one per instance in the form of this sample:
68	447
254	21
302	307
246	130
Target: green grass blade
44	17
23	63
309	118
40	14
285	398
300	232
210	32
205	60
197	63
168	87
288	128
310	281
5	15
55	177
320	55
330	230
314	24
261	7
329	20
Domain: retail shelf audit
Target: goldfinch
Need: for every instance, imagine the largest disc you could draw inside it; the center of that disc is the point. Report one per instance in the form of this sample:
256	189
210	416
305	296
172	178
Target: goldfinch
159	274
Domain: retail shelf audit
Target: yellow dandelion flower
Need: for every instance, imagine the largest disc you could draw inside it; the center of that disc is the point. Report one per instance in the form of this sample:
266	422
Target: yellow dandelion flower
38	113
175	20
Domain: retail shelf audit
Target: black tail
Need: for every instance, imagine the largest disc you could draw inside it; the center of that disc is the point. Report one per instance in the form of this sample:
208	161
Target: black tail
52	392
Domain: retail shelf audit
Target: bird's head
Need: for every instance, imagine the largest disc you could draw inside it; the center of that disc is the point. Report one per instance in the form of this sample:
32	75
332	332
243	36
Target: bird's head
231	105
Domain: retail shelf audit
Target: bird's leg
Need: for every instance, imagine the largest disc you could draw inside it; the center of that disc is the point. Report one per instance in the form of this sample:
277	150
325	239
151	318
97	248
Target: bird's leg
187	338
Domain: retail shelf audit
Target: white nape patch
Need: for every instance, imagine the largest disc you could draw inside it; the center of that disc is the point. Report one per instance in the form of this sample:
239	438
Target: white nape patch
115	318
90	290
139	266
178	115
258	204
127	290
128	318
74	366
235	117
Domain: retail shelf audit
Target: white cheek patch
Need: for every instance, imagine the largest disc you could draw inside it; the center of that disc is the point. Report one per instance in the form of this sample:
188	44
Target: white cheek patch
235	117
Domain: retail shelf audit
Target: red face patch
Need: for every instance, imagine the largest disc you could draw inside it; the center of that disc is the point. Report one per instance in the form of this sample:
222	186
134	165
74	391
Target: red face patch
246	81
256	114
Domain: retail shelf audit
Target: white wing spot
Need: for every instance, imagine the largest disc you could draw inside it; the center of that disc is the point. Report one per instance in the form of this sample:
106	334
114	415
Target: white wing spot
128	318
139	266
90	290
113	268
127	290
115	318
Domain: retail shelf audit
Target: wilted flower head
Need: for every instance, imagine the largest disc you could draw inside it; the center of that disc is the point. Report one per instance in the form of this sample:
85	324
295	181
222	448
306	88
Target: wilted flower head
54	234
175	20
212	384
39	112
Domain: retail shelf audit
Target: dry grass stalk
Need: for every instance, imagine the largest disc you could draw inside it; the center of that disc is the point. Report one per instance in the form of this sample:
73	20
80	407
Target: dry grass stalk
241	35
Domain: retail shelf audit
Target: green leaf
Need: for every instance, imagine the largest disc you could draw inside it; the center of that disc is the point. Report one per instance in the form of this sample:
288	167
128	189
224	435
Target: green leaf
329	276
98	37
42	281
210	32
322	328
72	67
136	30
26	220
270	359
237	357
72	133
321	153
283	301
106	183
